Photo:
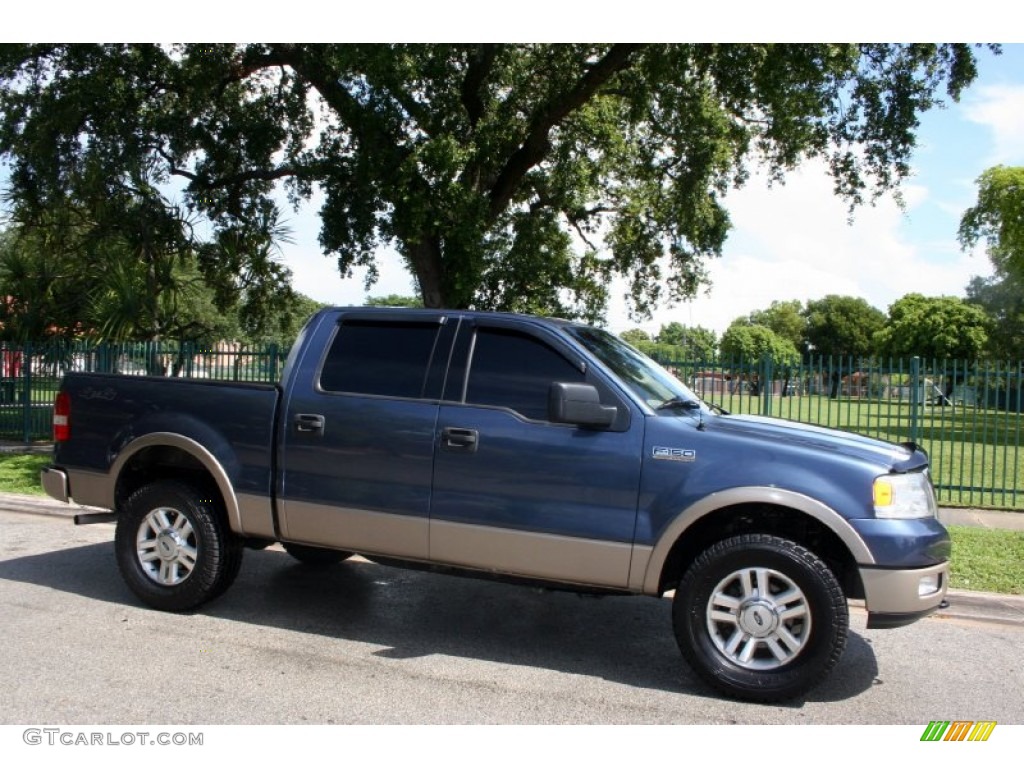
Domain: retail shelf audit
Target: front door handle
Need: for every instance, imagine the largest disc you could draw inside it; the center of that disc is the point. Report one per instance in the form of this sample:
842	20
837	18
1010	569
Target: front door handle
309	423
459	439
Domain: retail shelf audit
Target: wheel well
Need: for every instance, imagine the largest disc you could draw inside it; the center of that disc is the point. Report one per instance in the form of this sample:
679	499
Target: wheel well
162	462
771	519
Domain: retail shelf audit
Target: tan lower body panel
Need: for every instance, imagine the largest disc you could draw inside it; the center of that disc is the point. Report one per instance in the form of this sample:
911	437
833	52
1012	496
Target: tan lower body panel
256	515
898	591
638	570
534	555
352	529
91	489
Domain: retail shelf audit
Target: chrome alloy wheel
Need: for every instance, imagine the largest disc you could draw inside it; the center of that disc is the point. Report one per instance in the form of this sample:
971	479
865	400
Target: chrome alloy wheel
166	546
758	618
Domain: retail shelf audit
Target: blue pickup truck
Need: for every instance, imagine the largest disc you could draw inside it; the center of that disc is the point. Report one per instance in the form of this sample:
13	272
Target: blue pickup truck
535	450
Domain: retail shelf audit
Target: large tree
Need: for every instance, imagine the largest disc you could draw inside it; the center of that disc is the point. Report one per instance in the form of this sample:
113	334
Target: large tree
934	328
394	300
138	289
785	319
507	176
636	337
998	220
842	326
43	291
693	342
751	343
1002	299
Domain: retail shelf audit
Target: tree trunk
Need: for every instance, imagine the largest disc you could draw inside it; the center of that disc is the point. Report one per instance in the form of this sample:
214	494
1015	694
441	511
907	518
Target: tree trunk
425	260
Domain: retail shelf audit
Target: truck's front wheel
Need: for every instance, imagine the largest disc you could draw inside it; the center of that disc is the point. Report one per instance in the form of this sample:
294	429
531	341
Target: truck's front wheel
174	548
760	617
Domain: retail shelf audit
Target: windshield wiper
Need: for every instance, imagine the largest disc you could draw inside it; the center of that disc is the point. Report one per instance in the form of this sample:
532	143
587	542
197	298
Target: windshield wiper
679	402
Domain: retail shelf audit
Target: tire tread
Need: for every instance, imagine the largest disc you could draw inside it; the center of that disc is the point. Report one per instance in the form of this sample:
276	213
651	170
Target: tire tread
761	686
220	549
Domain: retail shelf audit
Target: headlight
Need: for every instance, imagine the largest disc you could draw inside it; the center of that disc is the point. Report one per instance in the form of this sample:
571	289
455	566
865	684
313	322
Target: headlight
904	497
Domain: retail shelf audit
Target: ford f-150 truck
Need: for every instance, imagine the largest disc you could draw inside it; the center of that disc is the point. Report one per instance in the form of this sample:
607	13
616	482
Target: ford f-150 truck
515	447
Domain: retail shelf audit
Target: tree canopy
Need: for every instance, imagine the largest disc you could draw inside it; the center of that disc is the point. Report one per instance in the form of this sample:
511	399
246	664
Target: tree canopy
831	325
517	177
786	319
998	220
693	342
842	325
943	327
138	294
743	341
1002	299
636	337
394	300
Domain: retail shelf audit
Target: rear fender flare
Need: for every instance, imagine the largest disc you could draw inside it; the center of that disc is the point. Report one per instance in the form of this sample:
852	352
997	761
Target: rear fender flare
197	451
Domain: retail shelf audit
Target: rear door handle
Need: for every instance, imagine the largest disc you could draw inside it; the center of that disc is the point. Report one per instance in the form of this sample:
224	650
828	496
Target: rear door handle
459	439
309	423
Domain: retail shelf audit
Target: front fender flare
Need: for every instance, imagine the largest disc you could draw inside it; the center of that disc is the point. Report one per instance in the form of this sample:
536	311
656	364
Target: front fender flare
648	562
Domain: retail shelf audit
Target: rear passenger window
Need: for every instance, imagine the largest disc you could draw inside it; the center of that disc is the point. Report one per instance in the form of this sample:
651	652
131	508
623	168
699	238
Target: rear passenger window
516	371
375	358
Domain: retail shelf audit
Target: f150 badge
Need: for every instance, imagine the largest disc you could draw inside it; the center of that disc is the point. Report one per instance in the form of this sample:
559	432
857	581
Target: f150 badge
674	454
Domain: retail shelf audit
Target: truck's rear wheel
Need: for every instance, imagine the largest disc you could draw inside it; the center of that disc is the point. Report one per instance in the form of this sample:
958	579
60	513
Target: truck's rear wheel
173	545
760	617
315	556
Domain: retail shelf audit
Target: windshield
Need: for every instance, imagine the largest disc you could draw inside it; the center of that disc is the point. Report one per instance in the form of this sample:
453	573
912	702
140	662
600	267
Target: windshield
648	380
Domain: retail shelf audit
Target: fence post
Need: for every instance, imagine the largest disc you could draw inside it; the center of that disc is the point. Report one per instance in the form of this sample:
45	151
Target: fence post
272	363
767	385
26	395
915	395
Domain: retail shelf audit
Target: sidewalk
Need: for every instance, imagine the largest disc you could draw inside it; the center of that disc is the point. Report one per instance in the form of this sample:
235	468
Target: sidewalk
982	518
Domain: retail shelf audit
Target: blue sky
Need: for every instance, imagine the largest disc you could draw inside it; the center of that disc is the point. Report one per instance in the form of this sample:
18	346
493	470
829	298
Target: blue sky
794	241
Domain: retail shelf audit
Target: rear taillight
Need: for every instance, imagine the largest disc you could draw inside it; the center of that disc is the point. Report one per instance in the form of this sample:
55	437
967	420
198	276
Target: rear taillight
62	417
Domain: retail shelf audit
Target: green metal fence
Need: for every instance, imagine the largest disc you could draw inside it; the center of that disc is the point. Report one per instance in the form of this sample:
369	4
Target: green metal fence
966	415
30	374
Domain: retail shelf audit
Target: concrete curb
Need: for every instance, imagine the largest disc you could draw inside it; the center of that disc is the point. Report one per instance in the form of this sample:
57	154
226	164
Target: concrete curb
983	606
39	505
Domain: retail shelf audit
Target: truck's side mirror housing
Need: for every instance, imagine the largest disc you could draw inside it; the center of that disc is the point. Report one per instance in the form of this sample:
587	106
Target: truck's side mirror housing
579	404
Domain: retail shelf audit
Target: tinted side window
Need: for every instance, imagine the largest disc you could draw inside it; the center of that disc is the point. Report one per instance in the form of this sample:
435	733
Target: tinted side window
516	371
373	358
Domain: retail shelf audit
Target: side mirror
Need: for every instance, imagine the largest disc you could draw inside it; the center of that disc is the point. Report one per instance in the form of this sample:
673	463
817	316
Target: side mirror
579	404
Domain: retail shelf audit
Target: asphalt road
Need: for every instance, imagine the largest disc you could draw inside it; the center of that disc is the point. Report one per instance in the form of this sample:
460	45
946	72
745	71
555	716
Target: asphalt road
362	643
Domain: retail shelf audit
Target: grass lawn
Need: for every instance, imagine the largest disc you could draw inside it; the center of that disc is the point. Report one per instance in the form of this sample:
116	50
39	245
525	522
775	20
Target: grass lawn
19	472
986	560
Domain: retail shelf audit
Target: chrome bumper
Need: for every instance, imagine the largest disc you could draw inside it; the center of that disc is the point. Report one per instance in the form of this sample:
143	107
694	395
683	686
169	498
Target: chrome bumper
895	598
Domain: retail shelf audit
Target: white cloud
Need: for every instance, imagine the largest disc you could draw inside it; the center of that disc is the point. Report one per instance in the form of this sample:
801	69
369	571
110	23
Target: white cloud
794	242
999	107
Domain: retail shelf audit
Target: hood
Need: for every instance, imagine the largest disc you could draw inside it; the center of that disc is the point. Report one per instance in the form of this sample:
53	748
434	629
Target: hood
905	457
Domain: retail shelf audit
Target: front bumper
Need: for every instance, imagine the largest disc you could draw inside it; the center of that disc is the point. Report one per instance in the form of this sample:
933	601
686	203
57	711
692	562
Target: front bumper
895	598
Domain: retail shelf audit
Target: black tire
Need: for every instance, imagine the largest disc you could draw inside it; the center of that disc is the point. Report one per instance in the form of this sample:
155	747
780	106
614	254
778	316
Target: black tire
315	556
174	547
779	623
